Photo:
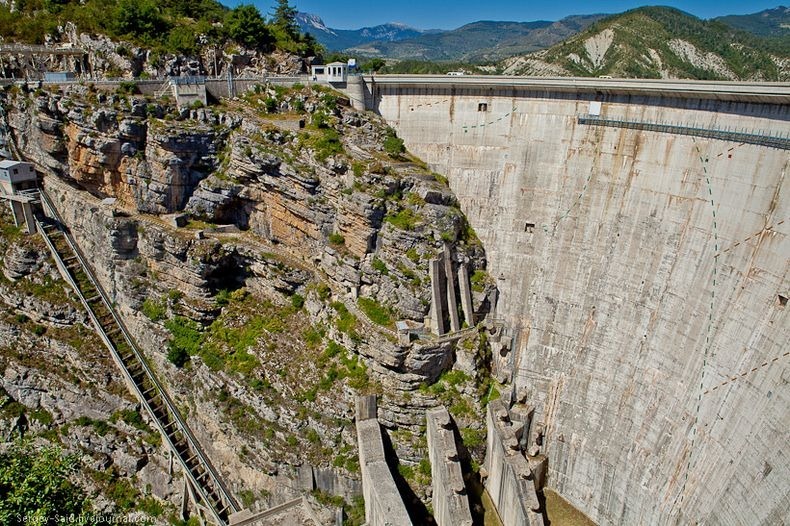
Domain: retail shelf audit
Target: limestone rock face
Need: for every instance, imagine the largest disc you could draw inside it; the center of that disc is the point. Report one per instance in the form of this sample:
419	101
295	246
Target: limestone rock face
183	212
106	58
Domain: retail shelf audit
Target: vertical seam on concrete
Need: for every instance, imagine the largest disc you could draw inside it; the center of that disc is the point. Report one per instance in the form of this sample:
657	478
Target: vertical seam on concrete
707	347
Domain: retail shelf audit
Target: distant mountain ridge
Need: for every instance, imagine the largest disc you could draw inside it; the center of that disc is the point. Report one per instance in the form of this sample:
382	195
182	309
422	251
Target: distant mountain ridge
340	39
478	41
649	42
481	41
768	23
657	42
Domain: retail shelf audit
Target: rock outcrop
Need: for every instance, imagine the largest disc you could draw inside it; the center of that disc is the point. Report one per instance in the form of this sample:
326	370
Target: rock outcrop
276	257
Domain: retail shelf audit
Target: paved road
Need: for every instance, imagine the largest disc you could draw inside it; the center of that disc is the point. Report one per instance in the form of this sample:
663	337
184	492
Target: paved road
772	92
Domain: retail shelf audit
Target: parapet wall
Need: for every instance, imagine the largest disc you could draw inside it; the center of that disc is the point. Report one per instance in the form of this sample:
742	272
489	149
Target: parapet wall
645	278
450	500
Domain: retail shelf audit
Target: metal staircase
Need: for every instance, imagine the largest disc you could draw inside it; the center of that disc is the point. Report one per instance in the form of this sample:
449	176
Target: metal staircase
214	496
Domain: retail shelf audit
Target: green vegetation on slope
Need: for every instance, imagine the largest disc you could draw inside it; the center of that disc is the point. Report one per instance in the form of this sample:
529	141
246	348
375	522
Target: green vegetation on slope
168	26
637	32
34	485
768	23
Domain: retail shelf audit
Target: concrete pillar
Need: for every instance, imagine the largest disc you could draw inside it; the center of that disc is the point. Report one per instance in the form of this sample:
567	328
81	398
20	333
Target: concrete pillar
355	89
366	407
437	297
306	479
27	210
452	302
466	295
17	212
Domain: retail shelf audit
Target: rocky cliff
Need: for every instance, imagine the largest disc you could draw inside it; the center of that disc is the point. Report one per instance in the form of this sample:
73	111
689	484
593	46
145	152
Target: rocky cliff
102	57
272	306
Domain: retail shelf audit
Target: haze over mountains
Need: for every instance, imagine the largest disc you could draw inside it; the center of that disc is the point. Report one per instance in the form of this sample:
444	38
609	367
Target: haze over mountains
479	41
647	42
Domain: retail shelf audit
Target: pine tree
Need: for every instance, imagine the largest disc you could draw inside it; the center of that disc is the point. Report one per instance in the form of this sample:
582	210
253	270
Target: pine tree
284	19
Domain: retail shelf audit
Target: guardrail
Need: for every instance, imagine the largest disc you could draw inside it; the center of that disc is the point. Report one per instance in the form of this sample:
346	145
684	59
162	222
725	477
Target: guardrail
741	136
142	380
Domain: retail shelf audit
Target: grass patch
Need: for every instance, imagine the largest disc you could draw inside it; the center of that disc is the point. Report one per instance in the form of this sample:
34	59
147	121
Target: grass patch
345	321
380	266
479	279
154	310
336	239
326	143
406	219
377	313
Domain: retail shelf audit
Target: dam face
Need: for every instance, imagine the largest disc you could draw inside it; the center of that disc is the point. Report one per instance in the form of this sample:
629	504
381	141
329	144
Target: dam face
645	275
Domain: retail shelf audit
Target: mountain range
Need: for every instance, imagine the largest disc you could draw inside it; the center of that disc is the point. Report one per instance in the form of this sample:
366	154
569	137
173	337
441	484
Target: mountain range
659	42
340	39
496	41
769	23
482	41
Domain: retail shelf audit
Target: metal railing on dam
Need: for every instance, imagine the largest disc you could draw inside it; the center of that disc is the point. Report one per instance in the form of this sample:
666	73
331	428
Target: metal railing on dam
742	136
73	266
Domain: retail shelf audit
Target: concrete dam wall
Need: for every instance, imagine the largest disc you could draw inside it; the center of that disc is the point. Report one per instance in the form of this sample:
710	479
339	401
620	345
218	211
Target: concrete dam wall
646	276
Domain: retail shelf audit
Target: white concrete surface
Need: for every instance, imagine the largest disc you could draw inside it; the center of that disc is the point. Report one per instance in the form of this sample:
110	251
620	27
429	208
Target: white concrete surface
648	298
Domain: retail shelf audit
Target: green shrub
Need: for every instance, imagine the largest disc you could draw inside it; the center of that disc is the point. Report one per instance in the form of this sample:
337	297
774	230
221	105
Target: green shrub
356	371
376	312
479	279
332	349
123	493
406	219
393	145
153	309
42	415
345	321
325	144
223	297
313	436
380	266
336	239
127	88
131	417
34	483
151	506
297	301
313	336
185	341
358	168
323	291
473	438
247	498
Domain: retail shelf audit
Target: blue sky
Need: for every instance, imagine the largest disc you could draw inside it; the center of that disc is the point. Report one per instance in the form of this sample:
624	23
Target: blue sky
449	14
